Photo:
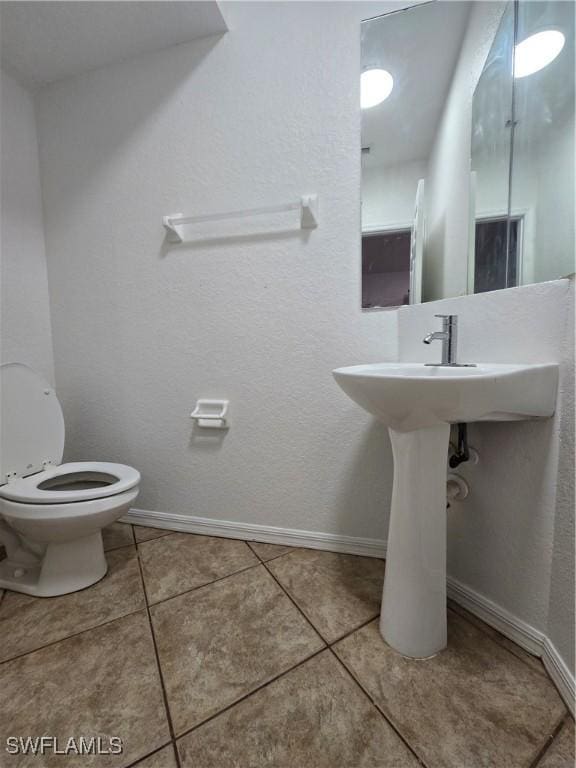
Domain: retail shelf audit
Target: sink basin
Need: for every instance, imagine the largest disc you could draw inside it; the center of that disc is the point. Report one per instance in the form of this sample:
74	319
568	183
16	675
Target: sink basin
418	403
407	396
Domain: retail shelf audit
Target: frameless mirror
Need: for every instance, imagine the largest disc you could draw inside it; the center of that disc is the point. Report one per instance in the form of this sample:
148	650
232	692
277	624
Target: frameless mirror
523	150
542	176
408	60
467	149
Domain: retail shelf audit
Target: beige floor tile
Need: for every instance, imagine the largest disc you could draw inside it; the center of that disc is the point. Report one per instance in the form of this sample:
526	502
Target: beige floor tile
103	682
336	592
219	643
143	533
164	758
117	535
527	658
268	551
183	561
313	717
560	753
28	623
472	705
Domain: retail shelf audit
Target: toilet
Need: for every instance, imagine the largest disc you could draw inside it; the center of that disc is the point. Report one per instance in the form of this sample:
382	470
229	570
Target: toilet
51	514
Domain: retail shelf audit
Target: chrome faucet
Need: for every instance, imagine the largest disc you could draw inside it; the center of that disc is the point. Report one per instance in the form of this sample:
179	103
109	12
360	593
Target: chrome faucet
449	338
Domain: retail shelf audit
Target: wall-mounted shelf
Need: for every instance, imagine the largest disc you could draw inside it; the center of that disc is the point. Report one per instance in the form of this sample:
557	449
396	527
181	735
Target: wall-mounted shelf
307	205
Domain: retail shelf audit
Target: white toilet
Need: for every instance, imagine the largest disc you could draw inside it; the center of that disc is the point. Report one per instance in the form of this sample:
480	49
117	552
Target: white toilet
51	514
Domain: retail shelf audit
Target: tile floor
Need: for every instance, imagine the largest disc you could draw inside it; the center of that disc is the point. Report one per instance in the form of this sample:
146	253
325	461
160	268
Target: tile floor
202	652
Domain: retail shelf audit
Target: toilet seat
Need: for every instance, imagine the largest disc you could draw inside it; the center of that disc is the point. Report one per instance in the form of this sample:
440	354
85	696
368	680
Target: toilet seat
51	514
109	479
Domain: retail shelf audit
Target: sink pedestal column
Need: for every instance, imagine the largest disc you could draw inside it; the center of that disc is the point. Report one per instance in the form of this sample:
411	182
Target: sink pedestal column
413	618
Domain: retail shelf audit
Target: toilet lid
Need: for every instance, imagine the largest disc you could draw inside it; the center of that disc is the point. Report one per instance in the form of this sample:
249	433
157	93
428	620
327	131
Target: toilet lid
31	422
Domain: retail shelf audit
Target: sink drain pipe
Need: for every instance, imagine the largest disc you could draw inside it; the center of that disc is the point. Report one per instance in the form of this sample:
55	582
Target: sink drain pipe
462	452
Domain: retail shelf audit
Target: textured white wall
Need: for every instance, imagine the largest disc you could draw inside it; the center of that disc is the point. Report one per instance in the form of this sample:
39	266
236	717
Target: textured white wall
142	330
25	315
561	608
502	540
448	181
554	161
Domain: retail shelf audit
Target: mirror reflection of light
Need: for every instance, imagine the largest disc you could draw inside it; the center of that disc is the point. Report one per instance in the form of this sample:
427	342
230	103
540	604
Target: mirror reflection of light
375	86
537	51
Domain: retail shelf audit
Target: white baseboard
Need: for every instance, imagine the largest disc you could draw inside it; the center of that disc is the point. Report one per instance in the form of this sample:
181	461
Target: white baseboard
521	633
497	617
269	534
559	673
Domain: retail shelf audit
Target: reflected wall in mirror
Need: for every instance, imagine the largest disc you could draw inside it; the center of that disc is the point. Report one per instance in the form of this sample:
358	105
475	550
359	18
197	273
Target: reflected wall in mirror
467	149
418	49
493	262
542	179
523	150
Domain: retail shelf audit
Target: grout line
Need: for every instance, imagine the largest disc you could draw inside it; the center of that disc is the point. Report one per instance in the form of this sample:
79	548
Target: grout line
378	708
114	549
74	634
254	551
549	741
275	557
149	754
161	536
200	586
171	531
309	620
352	631
116	618
497	637
285	672
295	604
252	692
81	631
158	664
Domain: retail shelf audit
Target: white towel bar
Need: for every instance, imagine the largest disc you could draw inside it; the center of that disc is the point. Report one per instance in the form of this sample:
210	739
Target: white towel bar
307	205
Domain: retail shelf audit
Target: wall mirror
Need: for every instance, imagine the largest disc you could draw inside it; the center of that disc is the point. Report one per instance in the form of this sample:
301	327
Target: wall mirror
523	150
467	149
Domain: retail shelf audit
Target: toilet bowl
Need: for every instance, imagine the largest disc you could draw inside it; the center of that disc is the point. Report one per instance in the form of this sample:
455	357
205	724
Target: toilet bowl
51	514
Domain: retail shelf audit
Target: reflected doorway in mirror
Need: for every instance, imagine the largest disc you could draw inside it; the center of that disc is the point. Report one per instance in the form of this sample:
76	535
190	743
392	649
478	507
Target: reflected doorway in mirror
386	268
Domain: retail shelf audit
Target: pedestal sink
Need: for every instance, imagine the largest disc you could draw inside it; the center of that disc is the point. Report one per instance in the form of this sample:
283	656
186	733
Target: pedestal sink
418	403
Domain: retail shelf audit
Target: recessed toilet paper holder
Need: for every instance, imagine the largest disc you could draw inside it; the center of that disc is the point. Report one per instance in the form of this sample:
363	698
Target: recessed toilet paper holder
211	414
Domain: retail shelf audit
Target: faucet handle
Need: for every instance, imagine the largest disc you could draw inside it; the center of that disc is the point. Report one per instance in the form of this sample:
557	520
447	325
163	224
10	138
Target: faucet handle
449	321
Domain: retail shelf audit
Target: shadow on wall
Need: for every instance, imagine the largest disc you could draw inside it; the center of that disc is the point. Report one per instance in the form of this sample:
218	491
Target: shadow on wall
368	470
432	261
81	187
161	73
207	440
167	248
516	474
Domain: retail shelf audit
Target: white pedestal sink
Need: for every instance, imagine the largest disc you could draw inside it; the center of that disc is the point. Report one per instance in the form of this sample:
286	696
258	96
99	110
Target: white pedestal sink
418	403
